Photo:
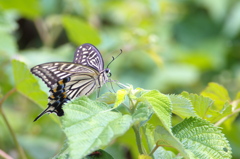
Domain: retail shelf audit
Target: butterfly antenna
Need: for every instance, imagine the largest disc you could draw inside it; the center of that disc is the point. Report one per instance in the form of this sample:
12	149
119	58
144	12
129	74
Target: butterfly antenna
113	58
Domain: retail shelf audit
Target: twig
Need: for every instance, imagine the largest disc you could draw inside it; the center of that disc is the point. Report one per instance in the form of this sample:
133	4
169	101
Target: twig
153	150
226	117
6	96
19	148
156	147
5	155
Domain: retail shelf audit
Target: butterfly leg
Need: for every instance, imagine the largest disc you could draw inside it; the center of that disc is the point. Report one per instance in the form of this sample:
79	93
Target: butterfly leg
98	91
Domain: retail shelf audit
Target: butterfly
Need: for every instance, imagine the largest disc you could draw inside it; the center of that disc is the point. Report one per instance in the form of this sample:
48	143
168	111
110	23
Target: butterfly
68	80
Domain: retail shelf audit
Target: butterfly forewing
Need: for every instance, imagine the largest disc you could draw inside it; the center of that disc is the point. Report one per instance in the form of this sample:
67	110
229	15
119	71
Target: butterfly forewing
88	55
53	72
50	73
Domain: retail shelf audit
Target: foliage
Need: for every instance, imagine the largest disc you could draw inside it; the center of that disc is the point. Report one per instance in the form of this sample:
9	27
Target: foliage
178	47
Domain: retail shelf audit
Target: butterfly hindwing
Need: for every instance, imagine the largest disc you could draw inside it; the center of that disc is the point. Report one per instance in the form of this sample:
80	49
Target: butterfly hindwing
88	55
80	85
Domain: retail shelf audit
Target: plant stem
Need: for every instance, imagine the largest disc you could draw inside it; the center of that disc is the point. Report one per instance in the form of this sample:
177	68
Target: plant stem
153	150
138	139
156	147
4	155
42	31
47	34
226	117
19	148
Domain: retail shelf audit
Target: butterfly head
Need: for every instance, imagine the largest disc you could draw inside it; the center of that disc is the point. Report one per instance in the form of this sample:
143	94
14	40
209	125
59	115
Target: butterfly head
108	72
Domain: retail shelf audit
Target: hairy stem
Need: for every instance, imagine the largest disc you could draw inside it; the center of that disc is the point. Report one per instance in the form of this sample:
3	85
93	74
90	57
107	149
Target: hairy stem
227	117
19	148
139	139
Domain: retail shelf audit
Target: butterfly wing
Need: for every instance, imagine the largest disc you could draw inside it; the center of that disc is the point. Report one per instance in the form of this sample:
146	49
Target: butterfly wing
50	73
66	81
88	55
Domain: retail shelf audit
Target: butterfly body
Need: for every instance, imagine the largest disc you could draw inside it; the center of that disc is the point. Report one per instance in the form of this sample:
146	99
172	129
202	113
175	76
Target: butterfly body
68	80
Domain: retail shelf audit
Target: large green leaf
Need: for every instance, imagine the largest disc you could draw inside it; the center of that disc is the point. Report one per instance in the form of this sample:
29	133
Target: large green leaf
161	106
151	136
217	93
202	138
165	138
205	107
201	104
27	84
79	31
89	125
222	102
28	8
182	106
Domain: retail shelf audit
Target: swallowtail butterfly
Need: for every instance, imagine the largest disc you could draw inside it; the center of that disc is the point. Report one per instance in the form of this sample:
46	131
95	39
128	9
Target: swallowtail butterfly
68	80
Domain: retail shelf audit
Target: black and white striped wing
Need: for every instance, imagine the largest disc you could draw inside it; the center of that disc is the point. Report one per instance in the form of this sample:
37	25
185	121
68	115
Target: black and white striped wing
88	55
66	81
53	72
50	73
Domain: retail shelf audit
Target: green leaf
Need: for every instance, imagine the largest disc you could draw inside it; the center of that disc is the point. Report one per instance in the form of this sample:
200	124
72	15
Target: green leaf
27	84
64	153
235	105
79	31
182	106
218	94
8	21
7	43
149	130
161	106
142	113
164	137
120	97
30	8
89	125
108	98
204	107
201	104
162	153
236	102
202	138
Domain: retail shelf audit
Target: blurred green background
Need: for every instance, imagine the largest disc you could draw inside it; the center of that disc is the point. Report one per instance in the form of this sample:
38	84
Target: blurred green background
169	45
